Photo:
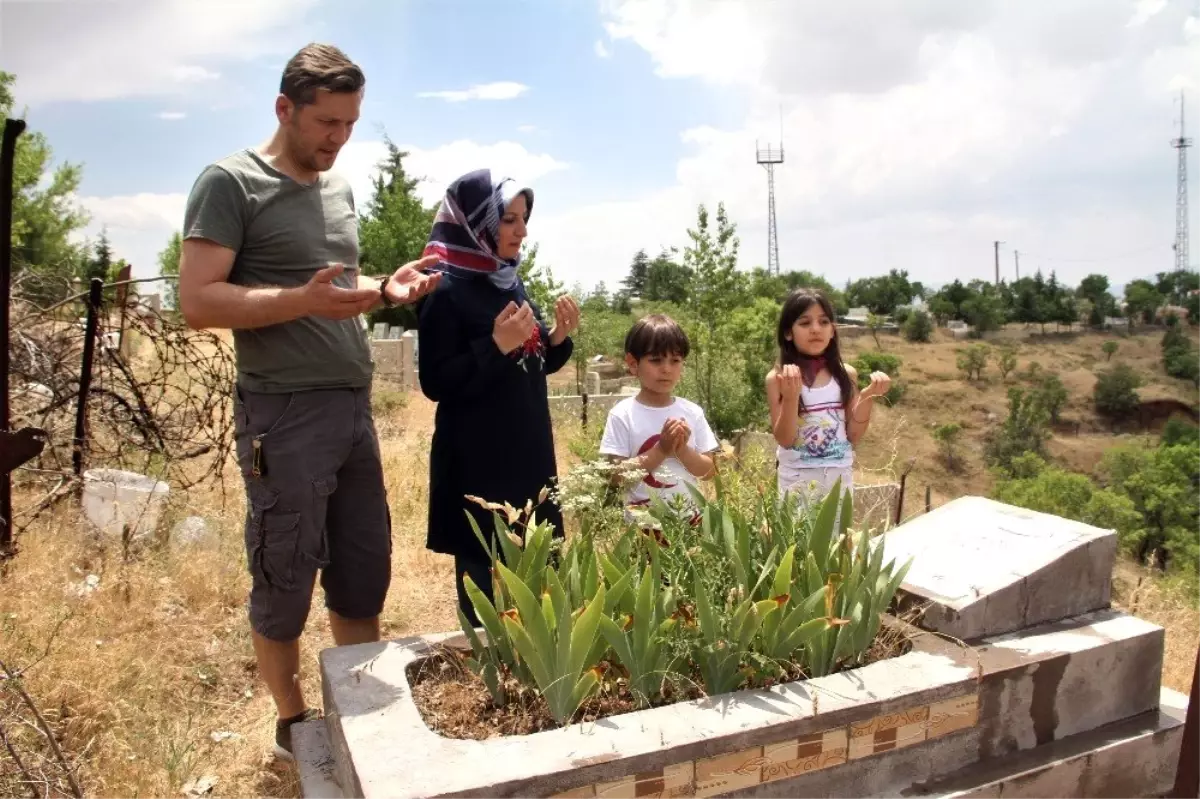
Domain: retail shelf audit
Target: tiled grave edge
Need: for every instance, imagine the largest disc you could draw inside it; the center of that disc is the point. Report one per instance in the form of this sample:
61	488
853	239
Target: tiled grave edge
713	776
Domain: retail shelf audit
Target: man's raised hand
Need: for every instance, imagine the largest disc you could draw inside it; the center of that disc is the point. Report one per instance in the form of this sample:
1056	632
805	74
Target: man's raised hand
320	297
410	283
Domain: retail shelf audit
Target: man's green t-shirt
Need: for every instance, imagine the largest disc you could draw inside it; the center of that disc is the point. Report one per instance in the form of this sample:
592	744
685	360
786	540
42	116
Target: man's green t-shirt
284	232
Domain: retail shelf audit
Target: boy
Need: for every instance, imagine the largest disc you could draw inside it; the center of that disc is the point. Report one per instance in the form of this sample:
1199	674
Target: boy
666	437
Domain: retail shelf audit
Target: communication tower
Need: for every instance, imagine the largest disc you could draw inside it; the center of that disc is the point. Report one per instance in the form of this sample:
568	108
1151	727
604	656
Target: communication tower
768	157
1181	199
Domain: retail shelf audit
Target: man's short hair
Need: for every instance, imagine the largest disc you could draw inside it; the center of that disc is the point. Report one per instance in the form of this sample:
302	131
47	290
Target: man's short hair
319	67
656	334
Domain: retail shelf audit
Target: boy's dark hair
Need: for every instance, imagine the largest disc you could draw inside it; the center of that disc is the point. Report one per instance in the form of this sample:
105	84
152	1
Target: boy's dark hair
656	334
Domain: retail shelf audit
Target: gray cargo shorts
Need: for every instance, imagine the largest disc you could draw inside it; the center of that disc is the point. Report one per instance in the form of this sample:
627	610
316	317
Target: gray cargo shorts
315	501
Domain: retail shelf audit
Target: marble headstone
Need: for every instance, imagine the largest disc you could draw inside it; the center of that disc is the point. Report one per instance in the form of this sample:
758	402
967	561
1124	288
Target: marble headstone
989	568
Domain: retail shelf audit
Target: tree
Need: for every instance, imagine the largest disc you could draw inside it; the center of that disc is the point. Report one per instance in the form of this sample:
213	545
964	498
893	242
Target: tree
1110	349
943	309
918	327
101	263
1163	484
1192	304
983	312
1180	358
1142	299
883	294
972	360
45	211
393	229
639	273
597	299
717	290
666	280
1115	393
874	324
1094	288
539	281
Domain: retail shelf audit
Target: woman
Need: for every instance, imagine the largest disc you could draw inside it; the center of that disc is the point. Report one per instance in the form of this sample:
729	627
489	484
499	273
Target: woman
485	355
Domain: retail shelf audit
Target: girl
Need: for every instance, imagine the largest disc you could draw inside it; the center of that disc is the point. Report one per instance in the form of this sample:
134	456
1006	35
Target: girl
818	414
486	349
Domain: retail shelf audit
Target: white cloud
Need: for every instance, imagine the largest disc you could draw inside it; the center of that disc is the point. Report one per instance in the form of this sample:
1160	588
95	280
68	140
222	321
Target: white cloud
602	49
501	90
172	116
174	46
438	166
915	141
527	128
138	225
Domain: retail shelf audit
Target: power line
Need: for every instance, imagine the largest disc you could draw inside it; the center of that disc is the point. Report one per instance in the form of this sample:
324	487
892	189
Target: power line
1099	259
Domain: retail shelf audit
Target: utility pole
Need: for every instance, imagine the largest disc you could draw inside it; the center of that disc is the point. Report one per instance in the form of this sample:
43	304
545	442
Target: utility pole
997	244
1017	263
1181	196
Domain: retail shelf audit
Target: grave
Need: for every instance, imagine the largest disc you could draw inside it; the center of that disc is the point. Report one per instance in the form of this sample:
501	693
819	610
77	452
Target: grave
1048	691
988	568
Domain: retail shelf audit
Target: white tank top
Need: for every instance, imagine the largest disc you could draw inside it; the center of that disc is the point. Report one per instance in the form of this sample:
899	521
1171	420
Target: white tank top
821	440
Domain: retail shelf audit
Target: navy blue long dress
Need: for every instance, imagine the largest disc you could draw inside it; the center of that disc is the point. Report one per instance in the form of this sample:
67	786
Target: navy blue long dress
492	433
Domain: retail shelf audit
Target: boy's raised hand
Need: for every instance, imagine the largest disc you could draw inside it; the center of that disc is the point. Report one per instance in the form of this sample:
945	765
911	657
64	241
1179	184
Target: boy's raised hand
675	434
513	326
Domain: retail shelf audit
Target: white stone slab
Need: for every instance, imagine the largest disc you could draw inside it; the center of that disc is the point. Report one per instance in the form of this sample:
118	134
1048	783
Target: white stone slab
991	568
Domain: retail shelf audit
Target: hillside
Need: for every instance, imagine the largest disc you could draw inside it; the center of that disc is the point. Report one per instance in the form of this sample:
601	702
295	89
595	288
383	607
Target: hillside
145	668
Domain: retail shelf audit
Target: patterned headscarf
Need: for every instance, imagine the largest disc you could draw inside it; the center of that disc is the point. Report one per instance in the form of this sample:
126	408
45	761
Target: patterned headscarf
467	227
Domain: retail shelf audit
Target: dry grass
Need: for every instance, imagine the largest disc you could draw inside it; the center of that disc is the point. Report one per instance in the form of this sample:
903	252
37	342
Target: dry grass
138	676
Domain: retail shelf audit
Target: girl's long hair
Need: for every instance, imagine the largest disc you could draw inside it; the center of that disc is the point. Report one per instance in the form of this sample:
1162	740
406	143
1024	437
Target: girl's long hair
794	307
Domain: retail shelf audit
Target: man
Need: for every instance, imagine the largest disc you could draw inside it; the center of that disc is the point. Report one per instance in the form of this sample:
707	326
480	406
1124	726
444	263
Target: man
270	251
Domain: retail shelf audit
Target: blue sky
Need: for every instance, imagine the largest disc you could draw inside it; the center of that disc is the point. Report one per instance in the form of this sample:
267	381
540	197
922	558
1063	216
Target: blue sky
916	133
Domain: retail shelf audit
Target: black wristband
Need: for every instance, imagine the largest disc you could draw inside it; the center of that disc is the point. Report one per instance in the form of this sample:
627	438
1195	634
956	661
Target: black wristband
387	303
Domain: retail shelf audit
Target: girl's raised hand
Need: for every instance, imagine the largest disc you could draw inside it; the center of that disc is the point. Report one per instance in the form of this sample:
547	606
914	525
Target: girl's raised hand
789	381
880	383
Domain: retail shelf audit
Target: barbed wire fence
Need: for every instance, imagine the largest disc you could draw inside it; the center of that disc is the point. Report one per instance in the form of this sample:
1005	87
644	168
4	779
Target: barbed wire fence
116	384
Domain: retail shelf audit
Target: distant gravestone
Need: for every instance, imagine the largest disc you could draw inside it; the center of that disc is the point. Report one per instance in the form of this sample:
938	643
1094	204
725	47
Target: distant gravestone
381	330
990	568
592	382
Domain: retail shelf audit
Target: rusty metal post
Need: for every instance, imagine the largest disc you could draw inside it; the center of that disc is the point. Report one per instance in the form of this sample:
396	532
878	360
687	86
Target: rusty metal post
8	149
1187	771
928	499
95	301
583	412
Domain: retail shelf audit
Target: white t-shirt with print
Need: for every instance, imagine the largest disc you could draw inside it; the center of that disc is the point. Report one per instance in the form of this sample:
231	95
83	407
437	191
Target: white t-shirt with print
634	428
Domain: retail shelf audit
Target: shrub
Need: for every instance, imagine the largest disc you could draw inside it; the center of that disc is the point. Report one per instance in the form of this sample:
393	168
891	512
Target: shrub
1032	484
1110	349
1007	361
1052	395
918	327
1116	392
1179	431
753	594
972	360
1024	431
947	436
1180	358
884	362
